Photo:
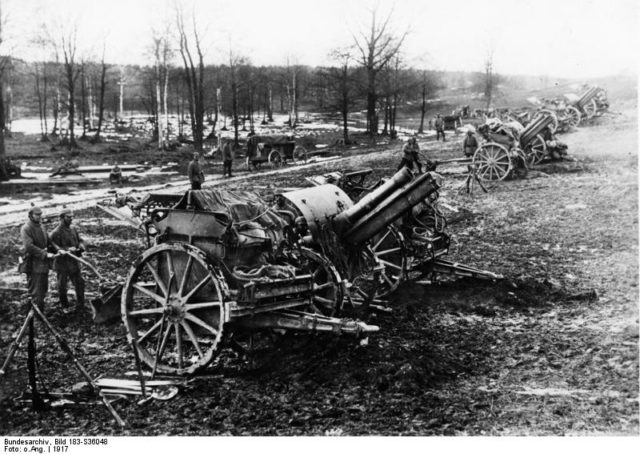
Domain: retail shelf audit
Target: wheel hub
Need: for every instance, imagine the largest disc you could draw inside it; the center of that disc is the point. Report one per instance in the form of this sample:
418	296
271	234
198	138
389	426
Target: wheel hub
175	310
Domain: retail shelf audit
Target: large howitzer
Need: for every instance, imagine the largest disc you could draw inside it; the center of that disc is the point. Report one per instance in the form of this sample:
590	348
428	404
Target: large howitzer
507	148
350	233
414	245
590	103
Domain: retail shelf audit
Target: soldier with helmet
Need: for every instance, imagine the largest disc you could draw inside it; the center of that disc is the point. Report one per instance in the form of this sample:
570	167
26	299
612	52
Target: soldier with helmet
410	155
67	241
36	247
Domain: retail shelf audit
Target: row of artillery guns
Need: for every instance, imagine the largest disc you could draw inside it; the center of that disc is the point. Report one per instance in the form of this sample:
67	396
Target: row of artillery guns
508	147
568	111
222	265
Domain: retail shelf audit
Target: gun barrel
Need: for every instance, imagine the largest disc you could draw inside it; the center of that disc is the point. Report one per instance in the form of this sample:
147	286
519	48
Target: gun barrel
391	208
370	201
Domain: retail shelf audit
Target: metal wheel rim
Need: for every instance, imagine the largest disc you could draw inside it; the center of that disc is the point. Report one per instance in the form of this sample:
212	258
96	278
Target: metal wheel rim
326	296
299	154
590	108
574	116
275	159
173	309
390	249
492	162
536	151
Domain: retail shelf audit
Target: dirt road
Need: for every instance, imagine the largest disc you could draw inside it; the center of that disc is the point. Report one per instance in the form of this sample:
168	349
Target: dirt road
552	351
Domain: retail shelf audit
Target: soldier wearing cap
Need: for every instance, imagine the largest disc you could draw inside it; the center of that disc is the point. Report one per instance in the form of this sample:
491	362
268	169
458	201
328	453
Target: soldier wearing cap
194	170
35	247
410	155
66	239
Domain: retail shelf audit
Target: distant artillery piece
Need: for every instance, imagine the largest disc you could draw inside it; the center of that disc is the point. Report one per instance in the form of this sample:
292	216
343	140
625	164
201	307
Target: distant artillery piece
506	148
274	150
592	102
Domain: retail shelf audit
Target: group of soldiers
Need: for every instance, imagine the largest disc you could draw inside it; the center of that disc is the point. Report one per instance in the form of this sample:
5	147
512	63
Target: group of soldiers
42	251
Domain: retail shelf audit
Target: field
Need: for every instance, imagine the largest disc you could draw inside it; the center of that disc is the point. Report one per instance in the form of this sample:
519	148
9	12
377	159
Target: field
552	350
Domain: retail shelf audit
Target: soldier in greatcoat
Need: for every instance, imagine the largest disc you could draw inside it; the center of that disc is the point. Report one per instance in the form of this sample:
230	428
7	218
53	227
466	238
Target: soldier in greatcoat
67	241
36	249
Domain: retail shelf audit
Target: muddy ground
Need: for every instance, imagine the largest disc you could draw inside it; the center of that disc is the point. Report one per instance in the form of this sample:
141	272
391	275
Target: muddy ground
552	350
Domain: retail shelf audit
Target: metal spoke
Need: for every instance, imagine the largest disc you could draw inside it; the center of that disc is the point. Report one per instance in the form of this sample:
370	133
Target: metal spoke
319	299
196	306
197	321
197	288
155	310
149	293
163	344
157	278
151	330
388	251
317	287
381	240
185	275
170	267
178	344
391	265
386	278
192	337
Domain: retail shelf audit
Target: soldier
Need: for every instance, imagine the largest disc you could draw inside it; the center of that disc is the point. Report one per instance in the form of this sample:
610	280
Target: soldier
35	245
227	158
115	176
196	175
469	144
439	128
66	239
410	155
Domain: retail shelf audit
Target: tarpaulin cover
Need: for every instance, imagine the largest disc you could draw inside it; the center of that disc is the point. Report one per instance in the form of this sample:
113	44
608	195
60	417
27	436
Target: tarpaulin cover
242	207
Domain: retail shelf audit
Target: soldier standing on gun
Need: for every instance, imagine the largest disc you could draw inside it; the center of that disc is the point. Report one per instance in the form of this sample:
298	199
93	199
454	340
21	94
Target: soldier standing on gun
35	244
227	158
66	239
410	155
196	175
439	128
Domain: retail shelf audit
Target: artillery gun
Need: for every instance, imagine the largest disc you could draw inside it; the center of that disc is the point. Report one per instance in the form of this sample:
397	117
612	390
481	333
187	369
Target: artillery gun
414	245
224	264
592	102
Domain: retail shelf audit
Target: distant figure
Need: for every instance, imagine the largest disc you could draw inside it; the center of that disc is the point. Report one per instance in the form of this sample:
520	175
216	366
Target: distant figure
227	158
35	247
68	242
196	175
410	155
115	176
469	144
439	123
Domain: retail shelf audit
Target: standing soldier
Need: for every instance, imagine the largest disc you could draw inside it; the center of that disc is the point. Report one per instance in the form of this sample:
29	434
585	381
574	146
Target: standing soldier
440	128
66	239
35	244
227	158
410	155
196	175
469	144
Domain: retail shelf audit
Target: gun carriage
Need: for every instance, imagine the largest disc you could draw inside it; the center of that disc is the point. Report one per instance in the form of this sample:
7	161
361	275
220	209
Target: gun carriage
592	102
510	145
223	264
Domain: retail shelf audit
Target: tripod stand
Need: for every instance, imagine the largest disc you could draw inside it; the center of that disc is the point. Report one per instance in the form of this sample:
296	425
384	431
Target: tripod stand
28	325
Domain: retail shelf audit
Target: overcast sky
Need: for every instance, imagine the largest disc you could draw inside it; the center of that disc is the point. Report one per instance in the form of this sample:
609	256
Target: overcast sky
566	38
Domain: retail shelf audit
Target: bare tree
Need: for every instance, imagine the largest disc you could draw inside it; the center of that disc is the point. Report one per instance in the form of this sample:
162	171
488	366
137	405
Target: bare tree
161	52
4	171
341	84
194	76
376	47
427	85
103	87
68	45
489	78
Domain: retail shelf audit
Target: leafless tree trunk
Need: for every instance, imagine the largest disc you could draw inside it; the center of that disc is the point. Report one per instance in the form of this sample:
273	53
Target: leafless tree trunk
68	45
103	88
194	76
489	77
4	171
376	48
83	99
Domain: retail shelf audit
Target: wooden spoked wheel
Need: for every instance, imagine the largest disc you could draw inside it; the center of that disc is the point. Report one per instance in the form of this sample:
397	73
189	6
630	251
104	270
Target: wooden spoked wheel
573	116
326	295
554	125
275	158
299	154
173	308
390	249
535	151
590	108
492	162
